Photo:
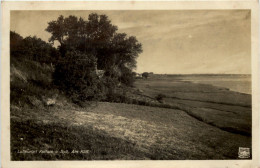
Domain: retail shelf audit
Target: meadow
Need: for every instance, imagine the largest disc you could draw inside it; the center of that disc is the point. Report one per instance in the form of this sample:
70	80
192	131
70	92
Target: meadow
200	122
218	106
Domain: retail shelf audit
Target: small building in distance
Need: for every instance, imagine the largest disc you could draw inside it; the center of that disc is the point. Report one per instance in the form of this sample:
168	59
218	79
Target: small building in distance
138	76
150	73
143	75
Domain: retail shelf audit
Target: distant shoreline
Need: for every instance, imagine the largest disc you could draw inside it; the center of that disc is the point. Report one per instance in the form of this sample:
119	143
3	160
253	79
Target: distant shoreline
234	82
204	74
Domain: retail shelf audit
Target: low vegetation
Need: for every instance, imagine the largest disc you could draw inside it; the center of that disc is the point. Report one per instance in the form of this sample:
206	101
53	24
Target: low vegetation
160	97
227	110
120	131
33	140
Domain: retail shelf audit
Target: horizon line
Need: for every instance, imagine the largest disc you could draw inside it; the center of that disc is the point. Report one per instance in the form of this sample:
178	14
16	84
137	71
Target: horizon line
196	73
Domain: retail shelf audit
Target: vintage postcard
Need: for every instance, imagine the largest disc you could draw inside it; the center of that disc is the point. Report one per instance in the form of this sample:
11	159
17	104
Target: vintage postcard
130	84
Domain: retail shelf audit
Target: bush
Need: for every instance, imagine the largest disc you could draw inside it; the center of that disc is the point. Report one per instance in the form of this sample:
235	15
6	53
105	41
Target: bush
75	74
160	97
145	75
127	77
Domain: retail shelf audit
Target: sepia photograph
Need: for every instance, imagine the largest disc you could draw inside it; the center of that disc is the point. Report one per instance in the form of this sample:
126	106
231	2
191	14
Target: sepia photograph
108	85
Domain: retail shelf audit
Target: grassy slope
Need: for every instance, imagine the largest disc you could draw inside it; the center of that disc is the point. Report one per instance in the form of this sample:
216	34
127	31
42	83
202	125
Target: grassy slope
30	83
34	126
228	110
193	91
121	131
91	144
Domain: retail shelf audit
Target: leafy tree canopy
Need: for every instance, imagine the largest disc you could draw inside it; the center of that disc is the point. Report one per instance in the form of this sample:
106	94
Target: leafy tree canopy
98	37
32	48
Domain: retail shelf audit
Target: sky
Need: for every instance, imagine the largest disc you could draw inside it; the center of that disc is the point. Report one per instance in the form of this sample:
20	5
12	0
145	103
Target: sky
174	41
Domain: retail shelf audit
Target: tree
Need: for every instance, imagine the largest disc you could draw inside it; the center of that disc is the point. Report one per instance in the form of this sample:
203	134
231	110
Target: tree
85	36
115	53
38	50
32	48
15	44
58	30
145	75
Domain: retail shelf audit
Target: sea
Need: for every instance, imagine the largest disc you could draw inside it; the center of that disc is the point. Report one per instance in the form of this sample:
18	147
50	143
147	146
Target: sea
234	82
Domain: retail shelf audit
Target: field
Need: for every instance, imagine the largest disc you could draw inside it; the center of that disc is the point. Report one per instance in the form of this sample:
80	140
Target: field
200	122
122	131
217	106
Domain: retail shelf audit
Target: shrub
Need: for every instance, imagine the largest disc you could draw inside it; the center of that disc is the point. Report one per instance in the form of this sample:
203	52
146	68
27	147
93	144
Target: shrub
76	75
145	75
29	79
127	77
160	97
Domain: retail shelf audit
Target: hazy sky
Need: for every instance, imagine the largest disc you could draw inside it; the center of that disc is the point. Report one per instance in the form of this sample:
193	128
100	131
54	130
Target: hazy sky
174	41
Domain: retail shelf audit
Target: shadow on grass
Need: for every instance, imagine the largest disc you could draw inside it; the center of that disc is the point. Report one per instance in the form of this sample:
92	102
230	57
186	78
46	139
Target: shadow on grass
32	140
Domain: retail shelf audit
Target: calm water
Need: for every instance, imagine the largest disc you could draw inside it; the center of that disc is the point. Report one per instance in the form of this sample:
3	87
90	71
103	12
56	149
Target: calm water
238	83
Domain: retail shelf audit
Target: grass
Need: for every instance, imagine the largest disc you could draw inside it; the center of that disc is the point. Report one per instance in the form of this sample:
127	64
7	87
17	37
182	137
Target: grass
227	110
55	138
30	83
192	91
130	131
